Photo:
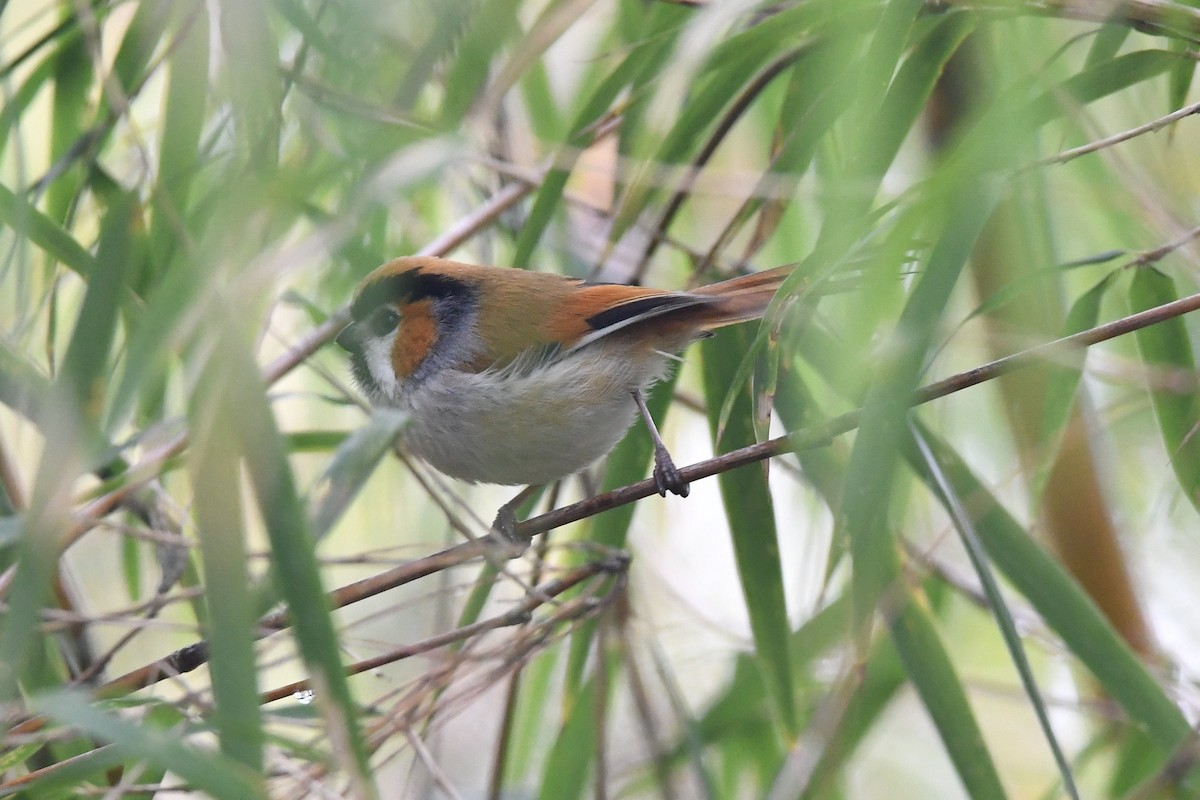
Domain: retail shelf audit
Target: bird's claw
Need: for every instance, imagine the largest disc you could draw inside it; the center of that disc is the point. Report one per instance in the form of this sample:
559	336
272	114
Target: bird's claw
504	533
666	475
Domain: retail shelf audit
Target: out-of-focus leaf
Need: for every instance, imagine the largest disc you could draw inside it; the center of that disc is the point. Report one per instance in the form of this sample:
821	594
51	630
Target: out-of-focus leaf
355	460
1101	80
1106	43
1181	74
882	676
72	81
1063	379
23	387
18	214
212	773
660	26
214	465
142	38
151	344
64	781
490	26
292	552
253	77
1167	352
179	155
10	526
564	776
868	481
731	67
1065	607
16	103
86	365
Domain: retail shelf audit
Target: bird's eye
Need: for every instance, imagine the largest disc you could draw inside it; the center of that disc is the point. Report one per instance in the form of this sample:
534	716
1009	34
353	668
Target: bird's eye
384	321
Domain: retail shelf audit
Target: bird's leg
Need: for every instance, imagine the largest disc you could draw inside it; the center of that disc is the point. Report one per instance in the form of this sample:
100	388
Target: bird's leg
666	475
504	528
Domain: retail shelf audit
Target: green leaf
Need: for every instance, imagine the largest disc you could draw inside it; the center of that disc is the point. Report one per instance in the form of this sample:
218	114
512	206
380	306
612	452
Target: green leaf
491	25
882	677
292	547
1062	380
142	38
72	81
212	773
214	465
179	155
869	476
1101	80
1107	43
998	606
43	232
1064	606
564	776
1181	74
908	94
86	365
252	73
1167	352
154	338
353	463
643	60
751	515
929	667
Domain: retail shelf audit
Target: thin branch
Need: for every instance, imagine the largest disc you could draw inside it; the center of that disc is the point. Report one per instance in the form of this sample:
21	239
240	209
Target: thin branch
1117	138
518	615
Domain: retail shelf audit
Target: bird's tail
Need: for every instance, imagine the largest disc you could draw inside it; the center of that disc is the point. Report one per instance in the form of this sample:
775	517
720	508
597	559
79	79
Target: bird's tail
739	299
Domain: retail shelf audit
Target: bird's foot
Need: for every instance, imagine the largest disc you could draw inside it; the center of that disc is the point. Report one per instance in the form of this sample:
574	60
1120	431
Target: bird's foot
504	533
666	474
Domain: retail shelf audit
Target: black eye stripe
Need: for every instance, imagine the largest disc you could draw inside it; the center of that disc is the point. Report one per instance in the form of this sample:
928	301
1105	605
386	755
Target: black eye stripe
408	286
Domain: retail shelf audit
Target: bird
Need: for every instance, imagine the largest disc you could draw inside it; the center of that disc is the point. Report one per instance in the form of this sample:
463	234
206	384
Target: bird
516	377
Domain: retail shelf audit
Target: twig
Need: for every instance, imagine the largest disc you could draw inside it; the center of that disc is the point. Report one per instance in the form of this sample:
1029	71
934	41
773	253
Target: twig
517	615
1108	141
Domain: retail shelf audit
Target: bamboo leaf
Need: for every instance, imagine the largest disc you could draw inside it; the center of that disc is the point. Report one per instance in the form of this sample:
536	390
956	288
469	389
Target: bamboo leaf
646	56
929	667
999	608
214	465
211	773
1062	382
292	557
1064	606
869	475
751	515
1167	351
352	464
43	232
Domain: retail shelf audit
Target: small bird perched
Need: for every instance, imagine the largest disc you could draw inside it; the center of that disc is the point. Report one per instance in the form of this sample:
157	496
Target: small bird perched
516	377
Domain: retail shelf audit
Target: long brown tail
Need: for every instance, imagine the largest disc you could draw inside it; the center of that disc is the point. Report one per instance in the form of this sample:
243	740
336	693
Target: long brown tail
743	298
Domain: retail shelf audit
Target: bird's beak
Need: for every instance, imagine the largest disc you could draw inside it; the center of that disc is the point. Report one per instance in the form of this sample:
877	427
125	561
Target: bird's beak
350	339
